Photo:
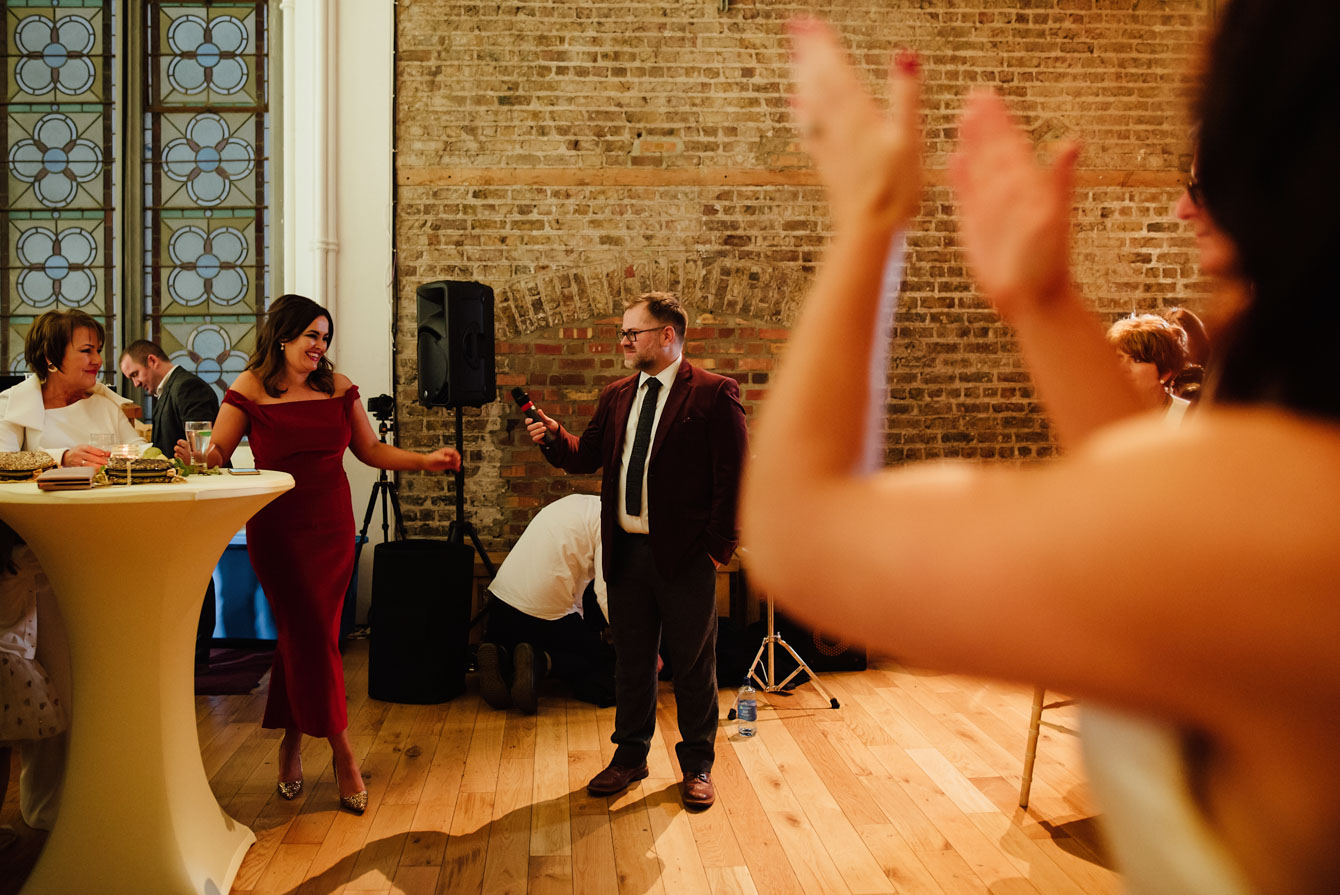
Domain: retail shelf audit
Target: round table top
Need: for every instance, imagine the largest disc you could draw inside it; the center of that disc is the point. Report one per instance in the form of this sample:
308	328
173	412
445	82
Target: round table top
195	487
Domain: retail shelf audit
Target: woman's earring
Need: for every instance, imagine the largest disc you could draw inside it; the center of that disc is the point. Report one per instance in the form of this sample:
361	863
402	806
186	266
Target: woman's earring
52	368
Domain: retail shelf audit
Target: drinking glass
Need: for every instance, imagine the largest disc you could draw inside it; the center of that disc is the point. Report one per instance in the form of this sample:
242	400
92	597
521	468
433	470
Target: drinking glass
103	440
198	434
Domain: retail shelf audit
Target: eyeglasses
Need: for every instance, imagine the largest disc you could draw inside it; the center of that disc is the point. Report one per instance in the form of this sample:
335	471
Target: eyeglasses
1194	190
630	335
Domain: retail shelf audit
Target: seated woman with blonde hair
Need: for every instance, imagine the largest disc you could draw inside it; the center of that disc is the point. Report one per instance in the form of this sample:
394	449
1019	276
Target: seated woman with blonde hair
1153	354
62	404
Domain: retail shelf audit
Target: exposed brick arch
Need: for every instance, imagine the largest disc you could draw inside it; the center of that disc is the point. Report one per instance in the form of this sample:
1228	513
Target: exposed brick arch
706	282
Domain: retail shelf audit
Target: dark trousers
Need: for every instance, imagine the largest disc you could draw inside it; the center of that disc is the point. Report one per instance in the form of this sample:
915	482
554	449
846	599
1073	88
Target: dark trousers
675	615
204	629
573	645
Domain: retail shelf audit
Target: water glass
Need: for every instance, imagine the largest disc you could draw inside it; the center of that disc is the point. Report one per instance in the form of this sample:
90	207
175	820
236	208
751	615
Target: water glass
102	440
198	434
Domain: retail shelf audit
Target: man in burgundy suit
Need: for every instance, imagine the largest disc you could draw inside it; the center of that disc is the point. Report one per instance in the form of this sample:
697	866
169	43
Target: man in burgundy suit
671	439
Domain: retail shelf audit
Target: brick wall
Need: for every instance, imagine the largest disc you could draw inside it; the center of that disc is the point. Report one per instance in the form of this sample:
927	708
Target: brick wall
572	155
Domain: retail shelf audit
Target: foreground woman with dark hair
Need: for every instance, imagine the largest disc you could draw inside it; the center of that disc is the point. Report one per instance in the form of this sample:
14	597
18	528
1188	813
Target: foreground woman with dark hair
1213	755
301	415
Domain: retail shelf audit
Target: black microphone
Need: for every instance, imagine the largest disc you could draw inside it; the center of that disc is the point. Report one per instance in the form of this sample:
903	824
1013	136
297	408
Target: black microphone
528	408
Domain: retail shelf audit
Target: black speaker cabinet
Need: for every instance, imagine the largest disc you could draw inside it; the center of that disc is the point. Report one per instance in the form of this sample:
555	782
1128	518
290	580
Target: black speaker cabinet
456	344
420	616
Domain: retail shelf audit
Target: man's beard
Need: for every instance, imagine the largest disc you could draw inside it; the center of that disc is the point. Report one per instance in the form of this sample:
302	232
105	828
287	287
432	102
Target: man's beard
638	362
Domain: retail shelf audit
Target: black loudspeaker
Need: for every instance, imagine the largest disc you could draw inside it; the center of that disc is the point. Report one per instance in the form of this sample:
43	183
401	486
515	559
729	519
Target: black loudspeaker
420	617
821	651
456	344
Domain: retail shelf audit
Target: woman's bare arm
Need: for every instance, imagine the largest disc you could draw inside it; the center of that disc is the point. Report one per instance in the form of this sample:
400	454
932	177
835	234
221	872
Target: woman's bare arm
1015	230
368	449
1050	575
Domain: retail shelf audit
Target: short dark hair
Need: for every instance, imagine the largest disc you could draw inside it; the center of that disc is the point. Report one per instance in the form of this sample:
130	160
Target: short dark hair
1197	338
141	350
664	308
288	316
50	336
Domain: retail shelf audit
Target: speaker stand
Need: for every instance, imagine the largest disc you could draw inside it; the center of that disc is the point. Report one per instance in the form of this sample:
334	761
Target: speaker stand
458	530
770	684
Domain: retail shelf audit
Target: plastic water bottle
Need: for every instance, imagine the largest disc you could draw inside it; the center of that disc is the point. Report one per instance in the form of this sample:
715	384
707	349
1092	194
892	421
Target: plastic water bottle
746	710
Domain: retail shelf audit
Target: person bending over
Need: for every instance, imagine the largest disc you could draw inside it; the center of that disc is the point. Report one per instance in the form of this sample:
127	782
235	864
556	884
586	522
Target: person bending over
537	623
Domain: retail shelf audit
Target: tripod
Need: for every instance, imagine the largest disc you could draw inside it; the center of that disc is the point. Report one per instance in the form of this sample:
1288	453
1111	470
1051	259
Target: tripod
383	488
457	531
769	683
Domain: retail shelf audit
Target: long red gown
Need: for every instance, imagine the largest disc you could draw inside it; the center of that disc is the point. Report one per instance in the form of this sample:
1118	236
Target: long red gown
302	548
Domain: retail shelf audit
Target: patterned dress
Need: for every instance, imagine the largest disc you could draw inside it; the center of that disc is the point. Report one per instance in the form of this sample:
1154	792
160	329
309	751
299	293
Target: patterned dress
30	709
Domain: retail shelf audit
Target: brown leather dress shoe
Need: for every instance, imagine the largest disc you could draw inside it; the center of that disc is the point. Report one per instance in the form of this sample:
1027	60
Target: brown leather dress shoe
615	779
698	789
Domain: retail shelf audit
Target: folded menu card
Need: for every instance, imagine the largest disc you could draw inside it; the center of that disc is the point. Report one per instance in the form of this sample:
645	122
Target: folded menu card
66	478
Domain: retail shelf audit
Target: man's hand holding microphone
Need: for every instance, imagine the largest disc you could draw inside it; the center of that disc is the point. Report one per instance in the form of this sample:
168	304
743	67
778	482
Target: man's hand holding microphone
539	426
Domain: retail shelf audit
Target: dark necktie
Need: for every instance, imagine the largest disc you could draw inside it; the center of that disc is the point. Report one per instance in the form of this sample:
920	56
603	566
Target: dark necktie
637	461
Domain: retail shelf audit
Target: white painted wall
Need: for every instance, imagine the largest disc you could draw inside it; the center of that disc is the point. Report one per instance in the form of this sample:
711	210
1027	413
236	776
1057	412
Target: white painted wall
337	94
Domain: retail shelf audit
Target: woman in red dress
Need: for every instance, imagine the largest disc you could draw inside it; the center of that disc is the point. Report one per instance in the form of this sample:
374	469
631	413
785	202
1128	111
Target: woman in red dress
301	415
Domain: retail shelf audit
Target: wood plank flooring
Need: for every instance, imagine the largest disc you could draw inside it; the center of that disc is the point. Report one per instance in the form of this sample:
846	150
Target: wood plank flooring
910	787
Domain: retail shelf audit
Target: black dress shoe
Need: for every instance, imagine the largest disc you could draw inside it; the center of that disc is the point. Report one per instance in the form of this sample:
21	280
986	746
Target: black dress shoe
615	779
491	659
531	665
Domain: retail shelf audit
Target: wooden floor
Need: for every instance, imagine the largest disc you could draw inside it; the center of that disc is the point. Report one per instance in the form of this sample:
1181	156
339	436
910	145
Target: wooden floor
911	786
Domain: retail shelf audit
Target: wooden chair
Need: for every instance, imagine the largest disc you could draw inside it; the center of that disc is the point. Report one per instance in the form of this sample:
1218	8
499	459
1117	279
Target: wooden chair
1034	725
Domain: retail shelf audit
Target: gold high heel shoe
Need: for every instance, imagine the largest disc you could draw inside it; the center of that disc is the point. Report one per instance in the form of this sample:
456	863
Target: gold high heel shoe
289	789
354	804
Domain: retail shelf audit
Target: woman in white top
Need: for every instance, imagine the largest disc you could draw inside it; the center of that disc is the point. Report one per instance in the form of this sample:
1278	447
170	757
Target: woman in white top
62	404
1226	651
1153	352
56	410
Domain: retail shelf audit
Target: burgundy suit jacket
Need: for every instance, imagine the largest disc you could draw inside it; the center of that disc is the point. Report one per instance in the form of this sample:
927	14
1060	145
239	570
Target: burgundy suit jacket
693	469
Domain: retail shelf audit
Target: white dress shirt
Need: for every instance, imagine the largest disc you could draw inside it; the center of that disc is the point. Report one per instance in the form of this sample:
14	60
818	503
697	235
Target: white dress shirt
639	524
172	368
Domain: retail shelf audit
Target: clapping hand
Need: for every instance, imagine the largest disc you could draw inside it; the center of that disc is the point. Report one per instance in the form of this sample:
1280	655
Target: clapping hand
1014	213
869	160
441	460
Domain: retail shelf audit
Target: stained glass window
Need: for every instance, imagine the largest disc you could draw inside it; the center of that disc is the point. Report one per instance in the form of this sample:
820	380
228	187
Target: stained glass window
57	130
206	179
191	78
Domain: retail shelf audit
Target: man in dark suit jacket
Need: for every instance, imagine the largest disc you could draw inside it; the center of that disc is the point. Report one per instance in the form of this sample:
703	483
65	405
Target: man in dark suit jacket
671	440
179	396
